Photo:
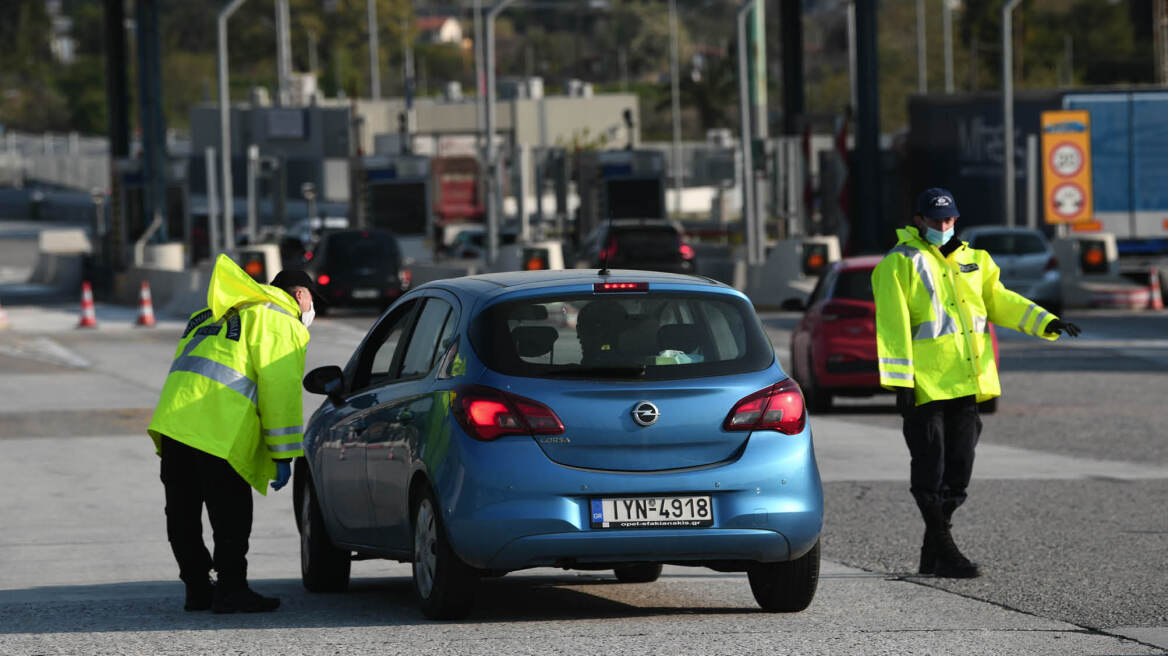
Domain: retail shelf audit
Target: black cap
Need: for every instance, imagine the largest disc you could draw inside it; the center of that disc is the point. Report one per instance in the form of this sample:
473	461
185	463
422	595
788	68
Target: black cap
937	203
289	278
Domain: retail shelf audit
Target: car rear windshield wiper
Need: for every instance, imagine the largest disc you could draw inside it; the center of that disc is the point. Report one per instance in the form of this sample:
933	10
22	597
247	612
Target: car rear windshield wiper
636	371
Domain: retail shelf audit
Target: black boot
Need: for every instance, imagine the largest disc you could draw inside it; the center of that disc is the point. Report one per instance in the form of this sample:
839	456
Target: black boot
200	594
939	553
242	599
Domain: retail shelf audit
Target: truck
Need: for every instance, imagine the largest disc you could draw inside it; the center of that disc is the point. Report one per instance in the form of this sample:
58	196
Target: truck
458	199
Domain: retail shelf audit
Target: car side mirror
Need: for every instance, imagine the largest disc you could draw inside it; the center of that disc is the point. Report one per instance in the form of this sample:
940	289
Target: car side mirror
328	380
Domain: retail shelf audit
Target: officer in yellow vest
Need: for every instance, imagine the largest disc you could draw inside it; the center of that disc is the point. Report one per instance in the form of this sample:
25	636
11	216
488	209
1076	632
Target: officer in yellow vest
935	297
230	419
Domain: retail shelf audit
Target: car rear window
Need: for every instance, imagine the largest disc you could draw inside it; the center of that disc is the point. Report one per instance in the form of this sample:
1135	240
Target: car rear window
350	250
651	243
655	337
1009	244
854	285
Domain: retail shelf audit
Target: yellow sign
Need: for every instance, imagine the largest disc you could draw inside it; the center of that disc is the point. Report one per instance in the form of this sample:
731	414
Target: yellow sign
1066	166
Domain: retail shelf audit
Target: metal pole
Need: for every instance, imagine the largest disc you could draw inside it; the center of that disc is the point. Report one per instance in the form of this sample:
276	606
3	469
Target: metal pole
225	123
947	28
212	209
408	74
1008	108
480	82
1032	181
748	208
374	58
675	91
922	71
852	52
253	165
283	55
494	186
1160	26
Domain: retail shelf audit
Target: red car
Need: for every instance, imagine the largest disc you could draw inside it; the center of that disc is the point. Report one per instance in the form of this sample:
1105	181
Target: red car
833	349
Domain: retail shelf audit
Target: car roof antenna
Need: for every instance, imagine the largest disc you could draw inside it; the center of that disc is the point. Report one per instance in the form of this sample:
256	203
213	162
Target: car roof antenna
604	251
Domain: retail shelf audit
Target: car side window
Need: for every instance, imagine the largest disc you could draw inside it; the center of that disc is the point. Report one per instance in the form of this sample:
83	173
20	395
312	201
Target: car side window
419	354
376	363
821	288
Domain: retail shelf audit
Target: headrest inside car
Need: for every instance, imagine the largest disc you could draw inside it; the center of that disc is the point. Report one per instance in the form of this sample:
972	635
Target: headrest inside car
679	337
534	341
529	313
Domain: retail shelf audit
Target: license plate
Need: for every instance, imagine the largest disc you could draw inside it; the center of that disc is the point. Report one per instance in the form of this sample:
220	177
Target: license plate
364	293
651	512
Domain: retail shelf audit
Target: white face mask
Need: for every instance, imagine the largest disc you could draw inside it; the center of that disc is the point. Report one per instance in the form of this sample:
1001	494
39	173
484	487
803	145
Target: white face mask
308	315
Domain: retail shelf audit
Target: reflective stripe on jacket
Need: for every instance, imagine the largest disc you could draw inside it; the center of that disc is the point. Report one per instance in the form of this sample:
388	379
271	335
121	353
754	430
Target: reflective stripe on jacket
932	319
233	389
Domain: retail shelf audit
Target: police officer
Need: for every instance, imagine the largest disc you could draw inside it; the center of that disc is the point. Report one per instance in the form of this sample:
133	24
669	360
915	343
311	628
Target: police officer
935	297
230	419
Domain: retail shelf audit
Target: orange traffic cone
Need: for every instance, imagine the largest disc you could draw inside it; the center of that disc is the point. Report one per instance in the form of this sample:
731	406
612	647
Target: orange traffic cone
1156	302
88	314
145	306
3	318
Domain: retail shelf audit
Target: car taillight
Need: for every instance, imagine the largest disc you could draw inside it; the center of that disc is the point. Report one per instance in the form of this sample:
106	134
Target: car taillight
308	255
687	252
778	407
486	413
608	252
323	279
404	278
835	311
1051	264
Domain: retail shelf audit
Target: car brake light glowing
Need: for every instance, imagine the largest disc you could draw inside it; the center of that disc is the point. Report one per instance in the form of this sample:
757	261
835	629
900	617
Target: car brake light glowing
308	255
486	413
405	277
778	407
609	251
687	252
620	287
323	279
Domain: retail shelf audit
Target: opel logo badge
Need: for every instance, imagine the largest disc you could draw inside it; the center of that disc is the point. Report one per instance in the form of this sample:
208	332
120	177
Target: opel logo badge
645	414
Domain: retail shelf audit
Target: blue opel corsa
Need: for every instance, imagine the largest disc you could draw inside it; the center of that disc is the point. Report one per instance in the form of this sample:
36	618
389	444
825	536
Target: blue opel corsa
579	419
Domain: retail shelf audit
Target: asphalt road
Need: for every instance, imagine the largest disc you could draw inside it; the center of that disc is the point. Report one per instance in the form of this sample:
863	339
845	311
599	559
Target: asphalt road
1066	516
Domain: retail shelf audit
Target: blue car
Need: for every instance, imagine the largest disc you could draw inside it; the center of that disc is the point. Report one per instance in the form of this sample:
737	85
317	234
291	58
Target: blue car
577	419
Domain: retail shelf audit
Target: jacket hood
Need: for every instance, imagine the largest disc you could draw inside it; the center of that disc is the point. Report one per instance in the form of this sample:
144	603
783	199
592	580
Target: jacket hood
231	287
910	234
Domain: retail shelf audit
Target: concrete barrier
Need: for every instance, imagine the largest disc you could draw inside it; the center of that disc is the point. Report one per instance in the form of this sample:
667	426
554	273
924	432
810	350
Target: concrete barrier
174	293
60	258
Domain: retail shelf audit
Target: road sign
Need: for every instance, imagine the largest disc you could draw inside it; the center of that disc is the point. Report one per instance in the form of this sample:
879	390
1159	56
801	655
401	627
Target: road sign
1066	156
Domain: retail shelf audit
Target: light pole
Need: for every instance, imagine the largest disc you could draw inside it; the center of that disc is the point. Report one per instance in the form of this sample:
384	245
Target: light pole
947	28
922	74
374	59
1008	107
494	188
225	130
308	191
748	209
675	91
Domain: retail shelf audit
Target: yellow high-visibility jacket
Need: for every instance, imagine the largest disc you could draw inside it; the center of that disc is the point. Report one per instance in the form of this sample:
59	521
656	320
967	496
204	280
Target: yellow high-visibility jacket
932	319
233	390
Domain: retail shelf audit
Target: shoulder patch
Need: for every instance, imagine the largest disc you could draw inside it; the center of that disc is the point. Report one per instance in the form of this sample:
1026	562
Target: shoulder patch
969	268
212	329
195	321
234	327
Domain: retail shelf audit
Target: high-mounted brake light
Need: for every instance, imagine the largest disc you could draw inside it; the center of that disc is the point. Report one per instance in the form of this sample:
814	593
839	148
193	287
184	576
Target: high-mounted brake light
687	252
778	407
486	413
620	287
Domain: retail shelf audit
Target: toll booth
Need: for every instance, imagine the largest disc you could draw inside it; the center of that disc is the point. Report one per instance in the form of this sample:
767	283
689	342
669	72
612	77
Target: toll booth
130	221
260	261
1089	273
397	194
619	184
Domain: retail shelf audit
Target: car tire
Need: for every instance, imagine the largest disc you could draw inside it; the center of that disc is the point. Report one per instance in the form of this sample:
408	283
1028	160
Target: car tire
786	587
639	573
323	567
988	407
815	397
443	584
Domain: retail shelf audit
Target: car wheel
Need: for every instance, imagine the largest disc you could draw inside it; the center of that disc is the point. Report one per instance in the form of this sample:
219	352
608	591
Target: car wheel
786	587
988	407
323	567
816	398
639	573
445	586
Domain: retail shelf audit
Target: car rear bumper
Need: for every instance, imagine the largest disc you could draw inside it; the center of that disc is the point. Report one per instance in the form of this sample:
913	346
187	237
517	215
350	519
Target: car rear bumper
526	511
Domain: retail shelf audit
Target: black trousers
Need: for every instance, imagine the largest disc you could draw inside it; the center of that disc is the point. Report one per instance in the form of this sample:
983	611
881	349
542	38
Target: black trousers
193	479
941	438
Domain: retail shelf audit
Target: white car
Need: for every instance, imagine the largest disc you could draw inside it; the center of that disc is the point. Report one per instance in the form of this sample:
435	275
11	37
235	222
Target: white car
1026	260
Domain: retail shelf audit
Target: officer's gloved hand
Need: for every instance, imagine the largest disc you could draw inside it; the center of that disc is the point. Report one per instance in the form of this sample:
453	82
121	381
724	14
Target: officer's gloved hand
1057	326
906	400
283	473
